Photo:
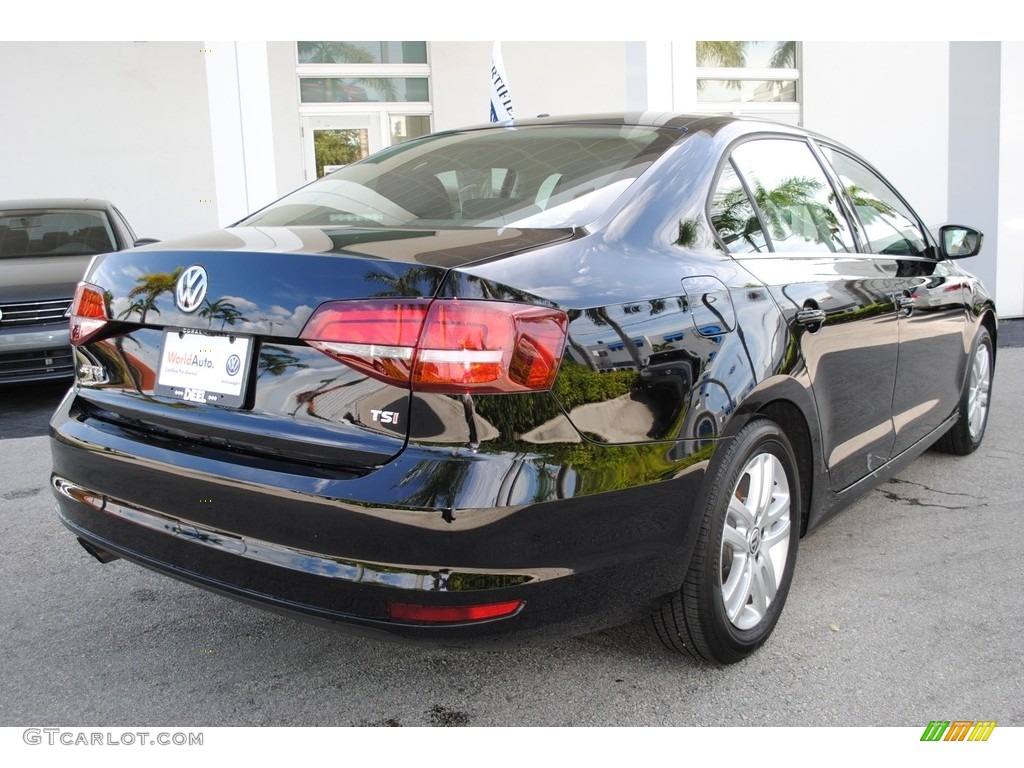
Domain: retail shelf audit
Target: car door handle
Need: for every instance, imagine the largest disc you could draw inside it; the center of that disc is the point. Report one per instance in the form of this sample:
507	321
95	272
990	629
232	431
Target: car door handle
811	317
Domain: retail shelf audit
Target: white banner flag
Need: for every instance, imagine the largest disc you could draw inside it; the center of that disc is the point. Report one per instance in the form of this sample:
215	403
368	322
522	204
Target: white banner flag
501	100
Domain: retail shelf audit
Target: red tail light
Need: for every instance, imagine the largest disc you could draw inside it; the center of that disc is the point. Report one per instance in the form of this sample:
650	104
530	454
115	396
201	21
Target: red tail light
445	345
88	313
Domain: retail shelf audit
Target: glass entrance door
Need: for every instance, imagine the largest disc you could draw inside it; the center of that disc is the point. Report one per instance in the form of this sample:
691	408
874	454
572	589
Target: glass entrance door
332	141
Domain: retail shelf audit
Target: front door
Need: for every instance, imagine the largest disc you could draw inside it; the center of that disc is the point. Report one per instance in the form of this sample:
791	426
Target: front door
928	294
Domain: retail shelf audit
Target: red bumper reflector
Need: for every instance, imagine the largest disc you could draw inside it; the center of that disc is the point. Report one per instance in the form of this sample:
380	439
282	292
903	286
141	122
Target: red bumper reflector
452	614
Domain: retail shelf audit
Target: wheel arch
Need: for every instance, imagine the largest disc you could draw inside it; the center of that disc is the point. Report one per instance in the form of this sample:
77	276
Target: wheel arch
988	319
790	404
791	420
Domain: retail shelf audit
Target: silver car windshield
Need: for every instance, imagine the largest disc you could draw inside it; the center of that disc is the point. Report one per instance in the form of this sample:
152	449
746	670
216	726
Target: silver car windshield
536	176
54	232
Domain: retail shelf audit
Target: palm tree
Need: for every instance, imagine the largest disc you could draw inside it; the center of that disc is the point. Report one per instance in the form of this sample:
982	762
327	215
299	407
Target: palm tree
150	287
415	281
721	53
689	232
599	316
222	310
868	206
734	218
784	55
276	361
431	485
581	352
332	52
787	202
342	52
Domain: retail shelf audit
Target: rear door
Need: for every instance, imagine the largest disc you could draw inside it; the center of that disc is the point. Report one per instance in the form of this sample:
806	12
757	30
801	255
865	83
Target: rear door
779	215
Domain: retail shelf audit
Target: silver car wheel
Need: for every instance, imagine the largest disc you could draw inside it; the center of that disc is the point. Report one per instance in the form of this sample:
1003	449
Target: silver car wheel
755	540
978	391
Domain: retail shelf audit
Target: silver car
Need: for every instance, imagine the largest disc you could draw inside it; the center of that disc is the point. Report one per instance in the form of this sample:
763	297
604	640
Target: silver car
45	246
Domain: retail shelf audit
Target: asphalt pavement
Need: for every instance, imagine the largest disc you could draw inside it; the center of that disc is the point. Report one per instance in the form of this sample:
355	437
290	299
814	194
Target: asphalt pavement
905	609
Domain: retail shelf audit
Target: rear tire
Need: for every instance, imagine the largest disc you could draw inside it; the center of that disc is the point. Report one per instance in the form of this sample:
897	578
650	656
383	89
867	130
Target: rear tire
966	434
743	561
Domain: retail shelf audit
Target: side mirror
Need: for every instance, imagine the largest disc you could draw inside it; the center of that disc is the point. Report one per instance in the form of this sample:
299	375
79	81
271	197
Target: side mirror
144	241
958	242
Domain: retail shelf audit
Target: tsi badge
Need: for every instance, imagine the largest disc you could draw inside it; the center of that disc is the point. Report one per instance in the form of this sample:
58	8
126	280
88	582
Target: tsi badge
384	417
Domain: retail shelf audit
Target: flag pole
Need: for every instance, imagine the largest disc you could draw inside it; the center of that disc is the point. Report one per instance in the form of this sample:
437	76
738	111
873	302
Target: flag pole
501	99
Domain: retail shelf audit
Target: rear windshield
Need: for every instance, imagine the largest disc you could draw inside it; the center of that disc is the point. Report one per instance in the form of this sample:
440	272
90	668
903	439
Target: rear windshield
55	231
537	176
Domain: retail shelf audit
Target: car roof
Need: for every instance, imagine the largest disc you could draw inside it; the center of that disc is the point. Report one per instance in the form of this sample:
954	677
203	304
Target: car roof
684	122
83	203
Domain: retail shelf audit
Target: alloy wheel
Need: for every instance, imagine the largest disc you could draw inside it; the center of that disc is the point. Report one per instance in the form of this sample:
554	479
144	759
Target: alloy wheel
755	540
978	392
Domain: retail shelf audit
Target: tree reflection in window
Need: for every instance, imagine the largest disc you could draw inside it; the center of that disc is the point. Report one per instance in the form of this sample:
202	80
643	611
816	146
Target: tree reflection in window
795	218
795	201
733	216
889	225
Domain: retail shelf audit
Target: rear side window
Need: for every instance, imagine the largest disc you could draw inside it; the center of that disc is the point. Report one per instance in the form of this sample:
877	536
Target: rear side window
733	216
793	198
888	224
797	203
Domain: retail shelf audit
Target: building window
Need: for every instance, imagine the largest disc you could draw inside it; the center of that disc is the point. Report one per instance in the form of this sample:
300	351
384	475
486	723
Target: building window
343	90
362	52
345	72
406	127
358	97
756	78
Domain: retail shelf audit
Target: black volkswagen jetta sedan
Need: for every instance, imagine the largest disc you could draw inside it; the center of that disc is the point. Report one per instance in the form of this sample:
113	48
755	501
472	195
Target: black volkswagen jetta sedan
536	378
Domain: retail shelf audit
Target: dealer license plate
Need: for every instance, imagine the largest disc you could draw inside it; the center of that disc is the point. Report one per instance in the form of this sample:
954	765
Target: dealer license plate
203	367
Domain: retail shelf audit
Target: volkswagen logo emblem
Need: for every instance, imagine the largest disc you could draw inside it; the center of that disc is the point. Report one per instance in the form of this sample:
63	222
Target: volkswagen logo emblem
191	289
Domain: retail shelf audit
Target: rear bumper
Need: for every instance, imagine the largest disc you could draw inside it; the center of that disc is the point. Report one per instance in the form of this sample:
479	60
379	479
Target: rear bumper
342	548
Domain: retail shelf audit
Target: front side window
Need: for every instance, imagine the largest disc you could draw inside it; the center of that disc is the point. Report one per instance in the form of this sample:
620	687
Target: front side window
541	176
888	224
796	201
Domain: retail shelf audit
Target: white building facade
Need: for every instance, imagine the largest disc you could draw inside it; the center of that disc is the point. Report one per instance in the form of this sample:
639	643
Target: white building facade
190	136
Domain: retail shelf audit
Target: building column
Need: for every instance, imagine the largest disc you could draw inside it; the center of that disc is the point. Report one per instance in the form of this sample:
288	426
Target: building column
974	148
662	76
1009	259
238	89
